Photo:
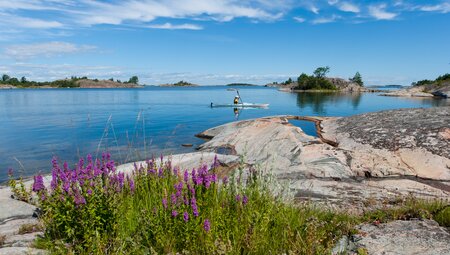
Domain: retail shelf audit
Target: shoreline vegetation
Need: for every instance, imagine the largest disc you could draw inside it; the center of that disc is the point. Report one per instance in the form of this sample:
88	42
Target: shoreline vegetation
7	82
157	208
439	88
179	84
319	82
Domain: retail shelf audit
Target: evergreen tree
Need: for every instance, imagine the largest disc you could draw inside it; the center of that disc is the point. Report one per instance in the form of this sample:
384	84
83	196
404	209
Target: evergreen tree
357	79
5	78
134	80
321	72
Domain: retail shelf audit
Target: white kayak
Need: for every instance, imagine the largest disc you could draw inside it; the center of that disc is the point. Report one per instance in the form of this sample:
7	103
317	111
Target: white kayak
241	105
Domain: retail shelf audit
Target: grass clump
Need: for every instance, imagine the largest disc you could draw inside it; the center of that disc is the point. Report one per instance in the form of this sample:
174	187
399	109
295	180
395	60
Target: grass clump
163	210
412	208
30	228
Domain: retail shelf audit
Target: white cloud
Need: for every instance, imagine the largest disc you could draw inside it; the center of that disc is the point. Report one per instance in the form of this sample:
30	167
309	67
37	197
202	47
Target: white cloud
324	20
333	2
299	19
149	10
7	20
379	12
314	9
348	7
444	8
170	26
49	49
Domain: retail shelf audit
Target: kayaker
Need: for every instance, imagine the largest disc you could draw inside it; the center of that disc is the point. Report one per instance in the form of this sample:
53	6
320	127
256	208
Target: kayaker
236	100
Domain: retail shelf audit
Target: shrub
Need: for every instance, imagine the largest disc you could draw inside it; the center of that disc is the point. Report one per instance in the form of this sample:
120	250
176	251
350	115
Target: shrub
92	209
307	82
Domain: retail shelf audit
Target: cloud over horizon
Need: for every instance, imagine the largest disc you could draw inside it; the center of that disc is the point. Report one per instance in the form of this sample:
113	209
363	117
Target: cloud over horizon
48	49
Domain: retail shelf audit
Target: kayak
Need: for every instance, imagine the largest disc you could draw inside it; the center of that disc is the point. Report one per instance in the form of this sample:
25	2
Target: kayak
241	105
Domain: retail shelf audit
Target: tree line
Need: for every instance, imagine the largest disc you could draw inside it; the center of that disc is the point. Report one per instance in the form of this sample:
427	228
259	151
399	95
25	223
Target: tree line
319	81
65	83
438	80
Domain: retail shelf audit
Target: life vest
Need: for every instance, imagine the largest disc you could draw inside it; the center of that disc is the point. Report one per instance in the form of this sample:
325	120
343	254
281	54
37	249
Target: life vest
236	100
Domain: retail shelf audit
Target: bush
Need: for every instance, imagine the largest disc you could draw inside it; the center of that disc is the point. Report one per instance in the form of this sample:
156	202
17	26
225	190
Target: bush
306	82
95	210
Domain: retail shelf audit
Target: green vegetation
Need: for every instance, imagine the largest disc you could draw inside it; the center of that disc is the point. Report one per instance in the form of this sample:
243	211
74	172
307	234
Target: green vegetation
134	80
317	81
438	81
411	208
159	209
183	83
65	83
30	228
357	79
287	82
93	209
24	83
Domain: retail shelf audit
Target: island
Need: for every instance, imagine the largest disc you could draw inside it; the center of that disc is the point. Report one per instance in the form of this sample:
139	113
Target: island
8	82
179	84
319	82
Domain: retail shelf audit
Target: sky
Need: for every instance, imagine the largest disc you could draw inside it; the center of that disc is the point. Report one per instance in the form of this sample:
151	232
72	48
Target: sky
212	42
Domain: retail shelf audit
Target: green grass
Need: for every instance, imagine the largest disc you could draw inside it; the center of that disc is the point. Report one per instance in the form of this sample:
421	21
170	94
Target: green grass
411	208
145	215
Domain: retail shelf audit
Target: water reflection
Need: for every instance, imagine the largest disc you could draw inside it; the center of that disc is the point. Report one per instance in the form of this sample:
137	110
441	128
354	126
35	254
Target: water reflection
319	102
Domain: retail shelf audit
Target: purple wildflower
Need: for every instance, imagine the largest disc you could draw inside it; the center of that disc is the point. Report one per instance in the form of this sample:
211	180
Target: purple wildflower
54	182
173	199
238	198
132	187
79	199
66	187
244	200
164	202
38	184
225	180
174	213
216	162
43	197
186	176
194	207
175	170
207	181
89	191
120	178
186	216
179	188
207	225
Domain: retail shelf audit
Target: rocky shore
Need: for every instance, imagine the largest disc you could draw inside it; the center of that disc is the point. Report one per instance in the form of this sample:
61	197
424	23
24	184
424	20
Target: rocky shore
430	90
354	164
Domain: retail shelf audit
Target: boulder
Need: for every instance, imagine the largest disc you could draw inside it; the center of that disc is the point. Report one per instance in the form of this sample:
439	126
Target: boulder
400	237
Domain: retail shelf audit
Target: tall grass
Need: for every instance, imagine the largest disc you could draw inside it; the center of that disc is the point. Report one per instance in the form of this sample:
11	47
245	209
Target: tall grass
93	209
160	209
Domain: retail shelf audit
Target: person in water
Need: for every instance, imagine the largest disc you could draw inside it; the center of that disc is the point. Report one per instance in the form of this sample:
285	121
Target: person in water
236	100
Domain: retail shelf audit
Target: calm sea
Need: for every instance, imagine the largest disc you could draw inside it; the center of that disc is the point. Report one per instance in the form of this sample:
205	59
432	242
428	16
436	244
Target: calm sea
134	124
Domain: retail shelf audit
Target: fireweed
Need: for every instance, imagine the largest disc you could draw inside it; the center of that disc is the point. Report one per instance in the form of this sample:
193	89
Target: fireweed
93	209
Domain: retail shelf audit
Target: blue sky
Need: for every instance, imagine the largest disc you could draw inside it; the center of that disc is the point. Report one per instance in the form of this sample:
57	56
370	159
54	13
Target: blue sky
224	41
